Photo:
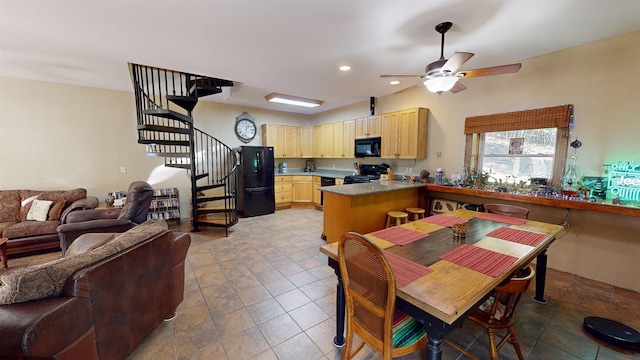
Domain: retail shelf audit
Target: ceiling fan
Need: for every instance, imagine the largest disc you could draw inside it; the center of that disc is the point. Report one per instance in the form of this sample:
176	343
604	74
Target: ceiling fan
443	75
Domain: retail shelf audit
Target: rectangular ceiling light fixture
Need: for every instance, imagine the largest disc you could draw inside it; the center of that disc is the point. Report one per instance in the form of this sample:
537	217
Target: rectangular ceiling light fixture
293	100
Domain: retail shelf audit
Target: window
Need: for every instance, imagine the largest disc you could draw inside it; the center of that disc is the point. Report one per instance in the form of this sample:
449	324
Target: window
520	145
514	156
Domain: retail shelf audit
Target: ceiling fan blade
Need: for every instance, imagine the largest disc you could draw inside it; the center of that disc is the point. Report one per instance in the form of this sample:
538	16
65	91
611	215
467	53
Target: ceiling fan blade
409	88
401	76
456	60
458	87
495	70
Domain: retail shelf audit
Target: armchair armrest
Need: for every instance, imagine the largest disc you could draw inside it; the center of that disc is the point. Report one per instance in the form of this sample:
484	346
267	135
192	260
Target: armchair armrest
93	214
89	202
69	232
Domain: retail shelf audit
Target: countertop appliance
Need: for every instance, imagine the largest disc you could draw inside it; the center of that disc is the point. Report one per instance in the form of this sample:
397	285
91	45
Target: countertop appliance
367	174
309	166
283	168
257	193
367	147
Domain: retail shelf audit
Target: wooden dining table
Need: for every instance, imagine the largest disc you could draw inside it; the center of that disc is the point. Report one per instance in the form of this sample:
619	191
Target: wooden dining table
441	278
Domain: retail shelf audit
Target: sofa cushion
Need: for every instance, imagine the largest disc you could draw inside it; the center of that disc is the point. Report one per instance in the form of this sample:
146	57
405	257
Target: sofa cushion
47	280
4	225
39	210
9	206
31	228
56	210
87	242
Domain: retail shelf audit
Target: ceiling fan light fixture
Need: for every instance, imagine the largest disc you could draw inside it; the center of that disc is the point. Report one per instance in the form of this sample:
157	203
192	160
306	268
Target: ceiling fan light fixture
440	84
293	100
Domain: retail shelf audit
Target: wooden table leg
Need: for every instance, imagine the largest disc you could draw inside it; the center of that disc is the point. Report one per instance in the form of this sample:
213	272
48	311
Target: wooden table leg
338	340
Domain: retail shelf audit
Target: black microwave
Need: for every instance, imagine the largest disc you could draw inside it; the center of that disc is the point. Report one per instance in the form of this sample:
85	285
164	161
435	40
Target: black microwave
368	147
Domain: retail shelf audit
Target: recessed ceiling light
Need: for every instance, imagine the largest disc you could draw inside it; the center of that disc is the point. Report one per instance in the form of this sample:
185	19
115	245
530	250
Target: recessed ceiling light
293	100
394	82
345	68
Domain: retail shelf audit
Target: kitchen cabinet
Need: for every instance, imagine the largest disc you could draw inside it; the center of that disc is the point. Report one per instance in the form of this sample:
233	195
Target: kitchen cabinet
302	188
285	140
317	195
323	141
368	127
306	141
404	134
343	139
283	190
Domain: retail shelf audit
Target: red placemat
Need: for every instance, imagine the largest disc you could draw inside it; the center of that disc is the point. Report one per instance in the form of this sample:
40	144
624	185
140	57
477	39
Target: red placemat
482	260
406	271
444	220
398	235
518	236
501	218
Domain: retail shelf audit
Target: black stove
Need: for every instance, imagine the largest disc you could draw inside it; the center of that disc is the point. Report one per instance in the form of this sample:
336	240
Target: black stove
367	174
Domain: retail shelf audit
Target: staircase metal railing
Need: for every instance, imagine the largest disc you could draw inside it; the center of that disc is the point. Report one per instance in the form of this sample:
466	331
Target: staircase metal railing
164	103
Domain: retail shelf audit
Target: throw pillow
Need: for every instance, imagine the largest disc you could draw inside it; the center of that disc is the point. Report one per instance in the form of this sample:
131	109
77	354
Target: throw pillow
25	206
56	209
39	210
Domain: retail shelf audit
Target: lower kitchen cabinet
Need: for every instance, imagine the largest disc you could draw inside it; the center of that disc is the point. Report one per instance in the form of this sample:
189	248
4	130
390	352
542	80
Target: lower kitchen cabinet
283	191
317	195
302	188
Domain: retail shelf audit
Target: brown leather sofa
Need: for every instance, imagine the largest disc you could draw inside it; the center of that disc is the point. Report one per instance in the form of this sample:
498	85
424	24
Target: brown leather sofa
104	310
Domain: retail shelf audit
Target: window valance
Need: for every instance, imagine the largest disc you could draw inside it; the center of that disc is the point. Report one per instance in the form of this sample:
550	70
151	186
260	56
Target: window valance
550	117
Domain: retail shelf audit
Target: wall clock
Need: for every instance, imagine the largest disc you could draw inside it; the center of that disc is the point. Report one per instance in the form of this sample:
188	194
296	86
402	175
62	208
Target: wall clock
246	128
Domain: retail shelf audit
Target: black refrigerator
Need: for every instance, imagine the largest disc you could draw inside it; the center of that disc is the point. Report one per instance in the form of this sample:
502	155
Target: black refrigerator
257	196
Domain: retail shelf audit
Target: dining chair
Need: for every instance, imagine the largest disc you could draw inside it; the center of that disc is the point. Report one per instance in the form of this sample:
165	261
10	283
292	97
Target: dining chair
508	210
370	293
498	313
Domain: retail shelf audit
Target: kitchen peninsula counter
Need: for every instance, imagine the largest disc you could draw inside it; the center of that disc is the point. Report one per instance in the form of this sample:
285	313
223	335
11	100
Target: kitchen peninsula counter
363	207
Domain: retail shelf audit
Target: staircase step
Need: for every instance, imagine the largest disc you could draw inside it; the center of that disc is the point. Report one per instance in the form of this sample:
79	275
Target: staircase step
167	129
215	210
213	198
185	102
201	176
207	86
163	142
169	114
179	166
169	154
210	186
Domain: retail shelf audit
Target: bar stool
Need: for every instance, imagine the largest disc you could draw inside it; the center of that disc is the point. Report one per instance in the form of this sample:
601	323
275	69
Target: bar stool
415	213
395	218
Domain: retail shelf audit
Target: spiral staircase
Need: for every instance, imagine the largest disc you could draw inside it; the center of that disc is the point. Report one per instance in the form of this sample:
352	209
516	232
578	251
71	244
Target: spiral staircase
165	100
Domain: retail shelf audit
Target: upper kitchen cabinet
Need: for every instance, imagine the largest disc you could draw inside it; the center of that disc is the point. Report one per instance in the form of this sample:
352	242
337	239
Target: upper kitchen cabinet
306	142
368	127
343	139
323	141
285	140
404	134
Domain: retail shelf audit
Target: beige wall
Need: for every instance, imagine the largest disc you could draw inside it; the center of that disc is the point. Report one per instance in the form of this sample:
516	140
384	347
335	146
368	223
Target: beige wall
57	136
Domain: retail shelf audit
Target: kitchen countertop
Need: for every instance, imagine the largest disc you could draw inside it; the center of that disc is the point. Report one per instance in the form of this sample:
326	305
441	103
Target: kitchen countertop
374	187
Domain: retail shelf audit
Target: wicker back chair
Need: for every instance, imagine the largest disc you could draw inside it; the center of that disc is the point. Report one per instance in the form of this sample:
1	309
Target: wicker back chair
370	292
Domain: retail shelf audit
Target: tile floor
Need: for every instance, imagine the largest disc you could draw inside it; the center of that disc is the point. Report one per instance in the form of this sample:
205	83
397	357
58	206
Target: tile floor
266	292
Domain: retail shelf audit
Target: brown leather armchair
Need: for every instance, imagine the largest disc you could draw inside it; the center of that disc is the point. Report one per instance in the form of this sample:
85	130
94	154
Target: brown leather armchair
133	213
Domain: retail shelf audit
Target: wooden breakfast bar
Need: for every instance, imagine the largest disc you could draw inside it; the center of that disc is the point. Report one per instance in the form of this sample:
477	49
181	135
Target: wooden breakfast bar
363	207
454	276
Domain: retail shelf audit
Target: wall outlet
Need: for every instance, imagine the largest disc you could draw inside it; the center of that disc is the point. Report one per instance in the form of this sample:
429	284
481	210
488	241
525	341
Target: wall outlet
334	166
410	170
123	169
